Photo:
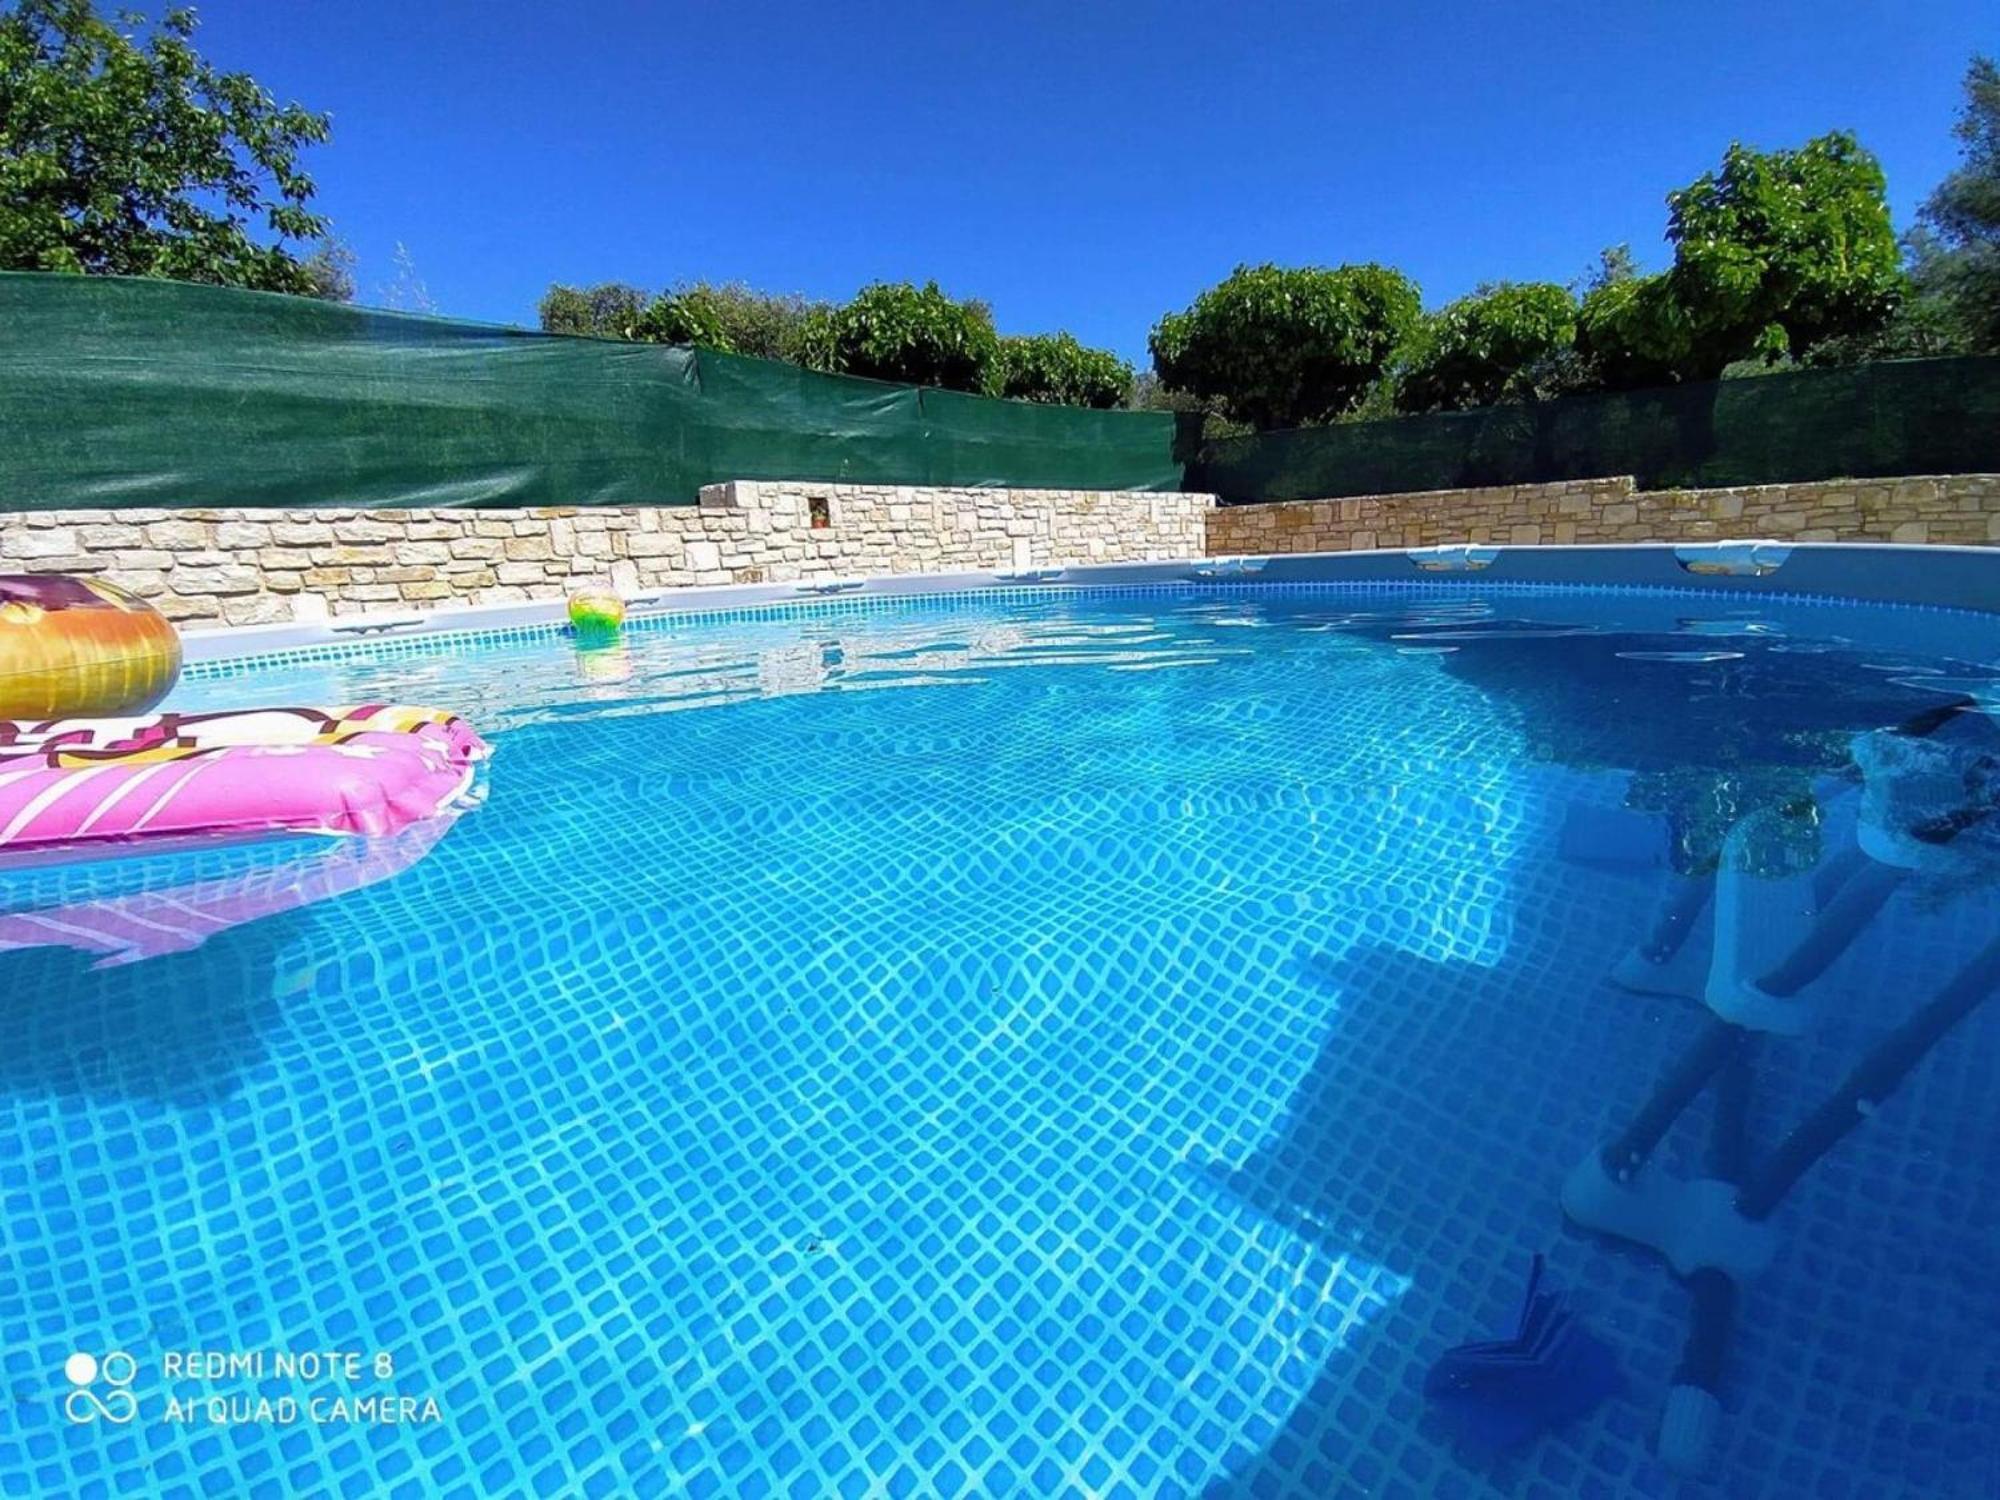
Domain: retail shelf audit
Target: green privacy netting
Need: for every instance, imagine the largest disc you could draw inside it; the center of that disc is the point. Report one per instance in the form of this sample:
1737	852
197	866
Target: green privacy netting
1933	416
126	392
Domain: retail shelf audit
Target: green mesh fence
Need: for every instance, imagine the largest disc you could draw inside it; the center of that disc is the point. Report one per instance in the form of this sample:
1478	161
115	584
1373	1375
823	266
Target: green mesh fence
117	392
1932	416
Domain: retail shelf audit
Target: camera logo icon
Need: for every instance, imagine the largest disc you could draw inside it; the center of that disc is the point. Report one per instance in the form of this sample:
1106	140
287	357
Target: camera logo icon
101	1388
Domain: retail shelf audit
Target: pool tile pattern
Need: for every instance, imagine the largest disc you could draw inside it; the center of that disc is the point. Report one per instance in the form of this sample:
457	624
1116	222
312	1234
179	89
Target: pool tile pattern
1114	1060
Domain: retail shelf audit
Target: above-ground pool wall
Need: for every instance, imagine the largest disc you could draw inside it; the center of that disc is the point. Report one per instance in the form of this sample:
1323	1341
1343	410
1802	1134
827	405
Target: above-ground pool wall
1954	509
258	566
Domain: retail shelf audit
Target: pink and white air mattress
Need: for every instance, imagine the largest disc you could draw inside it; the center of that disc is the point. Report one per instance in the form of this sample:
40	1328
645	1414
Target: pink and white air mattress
371	769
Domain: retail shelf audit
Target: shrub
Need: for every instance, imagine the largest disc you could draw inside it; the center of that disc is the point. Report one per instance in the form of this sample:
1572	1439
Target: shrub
683	317
1285	347
896	331
768	325
729	316
609	310
1056	369
1492	346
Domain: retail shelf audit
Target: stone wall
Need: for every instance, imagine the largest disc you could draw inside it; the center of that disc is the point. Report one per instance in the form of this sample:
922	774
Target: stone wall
254	566
1962	509
242	567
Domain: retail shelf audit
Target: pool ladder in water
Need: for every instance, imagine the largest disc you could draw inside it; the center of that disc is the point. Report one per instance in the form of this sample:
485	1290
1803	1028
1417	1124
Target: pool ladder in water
1774	937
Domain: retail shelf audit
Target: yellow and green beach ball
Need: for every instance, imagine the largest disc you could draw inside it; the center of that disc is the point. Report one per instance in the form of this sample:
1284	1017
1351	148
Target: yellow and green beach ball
596	614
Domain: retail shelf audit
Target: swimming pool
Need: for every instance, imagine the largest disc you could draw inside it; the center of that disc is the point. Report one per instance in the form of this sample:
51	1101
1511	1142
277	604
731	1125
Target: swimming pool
1040	1042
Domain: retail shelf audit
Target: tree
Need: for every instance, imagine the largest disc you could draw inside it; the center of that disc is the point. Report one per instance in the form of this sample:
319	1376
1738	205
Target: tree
1286	347
1774	254
1615	263
329	270
1491	346
683	317
609	310
127	157
766	325
730	316
1630	333
1956	259
896	331
1055	368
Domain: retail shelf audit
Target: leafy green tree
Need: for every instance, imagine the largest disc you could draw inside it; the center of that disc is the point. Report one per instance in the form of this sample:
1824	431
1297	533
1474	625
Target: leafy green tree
1056	369
1287	347
1774	254
1631	333
897	331
609	310
1489	347
768	325
129	156
682	317
729	316
890	332
1956	259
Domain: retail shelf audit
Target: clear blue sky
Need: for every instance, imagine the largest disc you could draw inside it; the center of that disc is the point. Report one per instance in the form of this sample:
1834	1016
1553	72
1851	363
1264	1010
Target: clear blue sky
1078	165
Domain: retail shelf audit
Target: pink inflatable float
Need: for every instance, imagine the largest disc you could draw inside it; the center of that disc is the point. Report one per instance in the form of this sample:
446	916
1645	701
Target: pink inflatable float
371	769
147	923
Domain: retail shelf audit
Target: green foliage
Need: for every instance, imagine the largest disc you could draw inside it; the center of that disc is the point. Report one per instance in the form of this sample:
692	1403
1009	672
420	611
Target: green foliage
609	310
729	316
902	333
916	335
1775	253
682	317
1486	348
1285	347
1956	262
768	325
1055	368
1630	333
136	157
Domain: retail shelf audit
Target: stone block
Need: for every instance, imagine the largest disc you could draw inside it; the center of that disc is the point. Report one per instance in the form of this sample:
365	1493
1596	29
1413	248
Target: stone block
235	579
28	544
178	536
246	536
177	609
258	609
109	534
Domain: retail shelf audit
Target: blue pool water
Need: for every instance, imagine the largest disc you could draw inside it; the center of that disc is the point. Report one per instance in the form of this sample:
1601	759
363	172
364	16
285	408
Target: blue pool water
1098	1045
